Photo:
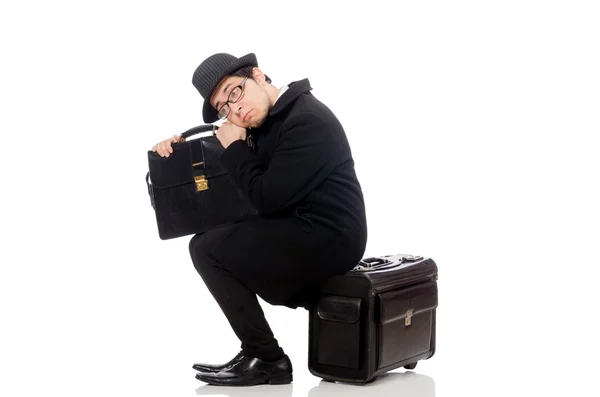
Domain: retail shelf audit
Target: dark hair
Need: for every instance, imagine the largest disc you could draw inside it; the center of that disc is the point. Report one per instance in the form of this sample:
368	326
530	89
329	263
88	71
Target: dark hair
247	72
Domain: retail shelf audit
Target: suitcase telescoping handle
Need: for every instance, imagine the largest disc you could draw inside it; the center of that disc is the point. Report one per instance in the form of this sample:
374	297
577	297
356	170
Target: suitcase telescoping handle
199	129
380	263
373	262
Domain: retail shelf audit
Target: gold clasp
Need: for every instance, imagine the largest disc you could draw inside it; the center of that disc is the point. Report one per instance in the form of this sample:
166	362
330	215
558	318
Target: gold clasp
201	183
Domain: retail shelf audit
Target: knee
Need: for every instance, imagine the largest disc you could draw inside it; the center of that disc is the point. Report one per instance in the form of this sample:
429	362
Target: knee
193	242
198	251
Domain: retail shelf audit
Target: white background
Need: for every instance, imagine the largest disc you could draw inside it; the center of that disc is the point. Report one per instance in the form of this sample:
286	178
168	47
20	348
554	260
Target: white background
473	126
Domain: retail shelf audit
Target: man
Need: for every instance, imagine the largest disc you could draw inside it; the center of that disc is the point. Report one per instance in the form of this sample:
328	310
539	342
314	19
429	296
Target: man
289	154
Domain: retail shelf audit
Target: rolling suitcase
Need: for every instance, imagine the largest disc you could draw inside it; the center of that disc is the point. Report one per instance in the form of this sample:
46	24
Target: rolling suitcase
191	191
378	317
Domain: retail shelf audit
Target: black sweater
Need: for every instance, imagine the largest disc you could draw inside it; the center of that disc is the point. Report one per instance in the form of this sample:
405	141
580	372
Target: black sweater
301	165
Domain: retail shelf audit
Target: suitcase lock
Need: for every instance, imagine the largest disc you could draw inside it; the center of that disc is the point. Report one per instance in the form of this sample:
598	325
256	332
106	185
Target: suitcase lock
408	318
201	183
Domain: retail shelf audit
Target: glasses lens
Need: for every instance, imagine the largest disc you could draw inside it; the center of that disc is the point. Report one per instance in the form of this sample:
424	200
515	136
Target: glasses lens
224	111
235	94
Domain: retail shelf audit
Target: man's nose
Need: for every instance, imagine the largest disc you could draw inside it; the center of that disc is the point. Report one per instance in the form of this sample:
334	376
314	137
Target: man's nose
237	108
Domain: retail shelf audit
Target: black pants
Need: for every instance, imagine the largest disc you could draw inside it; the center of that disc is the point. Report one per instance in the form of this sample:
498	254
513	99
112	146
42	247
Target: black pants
281	260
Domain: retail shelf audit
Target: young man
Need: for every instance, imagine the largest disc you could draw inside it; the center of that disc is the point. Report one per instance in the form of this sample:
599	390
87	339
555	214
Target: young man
289	154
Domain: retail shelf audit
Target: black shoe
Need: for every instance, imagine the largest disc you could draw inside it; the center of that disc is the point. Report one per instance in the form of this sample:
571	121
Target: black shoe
250	371
218	367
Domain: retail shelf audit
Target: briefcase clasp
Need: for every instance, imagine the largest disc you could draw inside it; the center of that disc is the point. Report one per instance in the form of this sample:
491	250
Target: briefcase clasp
408	318
201	183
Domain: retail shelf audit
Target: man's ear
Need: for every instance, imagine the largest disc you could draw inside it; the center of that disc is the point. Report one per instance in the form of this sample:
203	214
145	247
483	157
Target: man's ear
259	76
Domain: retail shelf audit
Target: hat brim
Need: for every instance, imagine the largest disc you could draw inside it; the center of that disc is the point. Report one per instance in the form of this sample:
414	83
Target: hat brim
210	114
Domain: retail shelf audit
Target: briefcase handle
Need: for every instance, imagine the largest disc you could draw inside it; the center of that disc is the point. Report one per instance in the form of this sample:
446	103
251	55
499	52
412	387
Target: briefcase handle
197	130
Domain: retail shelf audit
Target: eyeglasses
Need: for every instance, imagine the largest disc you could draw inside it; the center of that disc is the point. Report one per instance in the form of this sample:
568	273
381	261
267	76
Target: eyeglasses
234	96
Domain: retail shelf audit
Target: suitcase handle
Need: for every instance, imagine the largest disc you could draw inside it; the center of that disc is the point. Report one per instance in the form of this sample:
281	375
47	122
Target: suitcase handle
375	263
372	262
150	190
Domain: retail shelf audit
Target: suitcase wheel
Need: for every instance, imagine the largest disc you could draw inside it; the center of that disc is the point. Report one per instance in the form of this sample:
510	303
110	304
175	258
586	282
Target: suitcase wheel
411	366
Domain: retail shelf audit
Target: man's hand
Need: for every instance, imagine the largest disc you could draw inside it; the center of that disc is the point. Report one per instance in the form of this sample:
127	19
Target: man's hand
164	148
229	132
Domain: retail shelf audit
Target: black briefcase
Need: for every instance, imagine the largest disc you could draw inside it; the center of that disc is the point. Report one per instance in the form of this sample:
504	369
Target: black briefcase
378	317
191	192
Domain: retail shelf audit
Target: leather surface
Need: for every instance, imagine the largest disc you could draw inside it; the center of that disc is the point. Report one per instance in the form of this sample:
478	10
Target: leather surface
249	371
383	338
182	210
404	322
218	367
175	170
336	308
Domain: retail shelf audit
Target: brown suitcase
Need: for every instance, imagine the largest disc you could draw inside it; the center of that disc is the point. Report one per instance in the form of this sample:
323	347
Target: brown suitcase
378	317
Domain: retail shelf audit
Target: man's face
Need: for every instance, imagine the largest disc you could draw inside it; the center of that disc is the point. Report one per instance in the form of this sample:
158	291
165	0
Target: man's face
252	107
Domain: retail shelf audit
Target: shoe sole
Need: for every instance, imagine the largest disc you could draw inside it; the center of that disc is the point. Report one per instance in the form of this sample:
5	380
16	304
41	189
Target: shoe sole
206	370
280	380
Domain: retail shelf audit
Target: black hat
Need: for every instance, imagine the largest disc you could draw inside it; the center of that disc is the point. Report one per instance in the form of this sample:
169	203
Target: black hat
211	71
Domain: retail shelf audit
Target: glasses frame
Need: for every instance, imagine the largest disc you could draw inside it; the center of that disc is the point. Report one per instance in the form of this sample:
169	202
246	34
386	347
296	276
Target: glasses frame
241	87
